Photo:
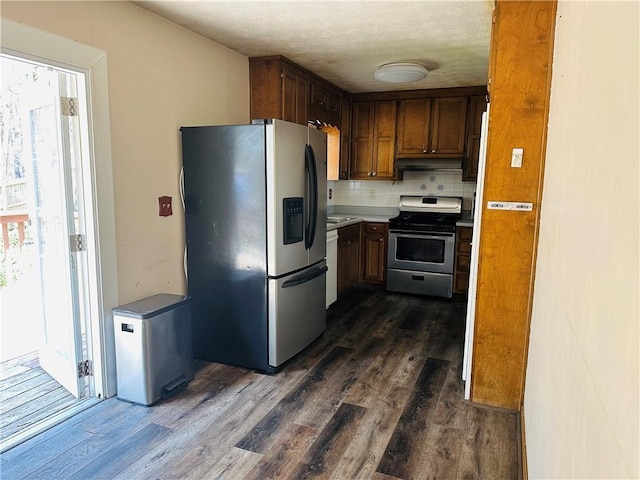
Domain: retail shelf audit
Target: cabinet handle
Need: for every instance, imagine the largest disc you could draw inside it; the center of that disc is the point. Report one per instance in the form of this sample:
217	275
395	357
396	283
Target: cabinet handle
374	228
433	150
374	174
424	151
369	174
380	239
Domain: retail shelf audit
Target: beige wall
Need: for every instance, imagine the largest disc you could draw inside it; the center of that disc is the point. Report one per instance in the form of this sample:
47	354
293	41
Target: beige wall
161	76
581	398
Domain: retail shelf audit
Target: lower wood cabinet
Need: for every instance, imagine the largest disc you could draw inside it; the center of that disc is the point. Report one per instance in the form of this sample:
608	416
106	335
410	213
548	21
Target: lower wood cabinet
463	260
348	258
374	253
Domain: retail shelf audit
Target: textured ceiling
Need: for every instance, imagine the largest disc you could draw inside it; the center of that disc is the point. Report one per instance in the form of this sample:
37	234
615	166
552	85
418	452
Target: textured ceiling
345	41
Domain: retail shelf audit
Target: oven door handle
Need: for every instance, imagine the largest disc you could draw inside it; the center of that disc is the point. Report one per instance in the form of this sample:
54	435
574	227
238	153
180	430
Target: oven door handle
404	233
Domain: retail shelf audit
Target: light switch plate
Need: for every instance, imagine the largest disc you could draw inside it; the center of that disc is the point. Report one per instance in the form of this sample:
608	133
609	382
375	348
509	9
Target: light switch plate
516	157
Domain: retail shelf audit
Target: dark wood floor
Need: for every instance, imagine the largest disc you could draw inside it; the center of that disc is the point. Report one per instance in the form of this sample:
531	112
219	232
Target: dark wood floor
378	396
28	395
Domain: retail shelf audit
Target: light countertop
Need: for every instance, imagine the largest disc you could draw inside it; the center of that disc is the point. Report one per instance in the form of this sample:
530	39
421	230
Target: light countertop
353	219
378	215
359	214
466	220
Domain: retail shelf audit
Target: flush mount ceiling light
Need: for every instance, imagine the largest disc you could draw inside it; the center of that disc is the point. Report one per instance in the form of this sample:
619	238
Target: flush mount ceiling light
401	72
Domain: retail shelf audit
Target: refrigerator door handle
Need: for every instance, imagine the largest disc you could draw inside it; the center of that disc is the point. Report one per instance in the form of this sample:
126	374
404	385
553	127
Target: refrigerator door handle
299	280
312	173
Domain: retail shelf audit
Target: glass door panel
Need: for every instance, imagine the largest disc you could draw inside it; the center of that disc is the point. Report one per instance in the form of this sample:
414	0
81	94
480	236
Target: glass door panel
52	144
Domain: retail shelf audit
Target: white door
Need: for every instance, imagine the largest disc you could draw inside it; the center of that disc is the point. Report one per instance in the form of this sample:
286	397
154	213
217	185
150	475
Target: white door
475	249
53	145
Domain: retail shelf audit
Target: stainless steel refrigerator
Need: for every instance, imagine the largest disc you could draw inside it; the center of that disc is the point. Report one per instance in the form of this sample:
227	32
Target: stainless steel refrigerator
255	219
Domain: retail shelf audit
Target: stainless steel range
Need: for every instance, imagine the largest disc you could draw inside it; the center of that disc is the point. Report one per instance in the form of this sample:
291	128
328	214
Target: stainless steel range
422	243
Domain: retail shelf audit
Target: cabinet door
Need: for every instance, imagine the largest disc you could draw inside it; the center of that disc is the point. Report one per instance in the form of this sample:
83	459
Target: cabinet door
343	266
289	95
295	96
384	139
448	122
334	102
319	95
354	261
374	253
477	106
302	100
348	257
414	119
345	136
463	260
361	140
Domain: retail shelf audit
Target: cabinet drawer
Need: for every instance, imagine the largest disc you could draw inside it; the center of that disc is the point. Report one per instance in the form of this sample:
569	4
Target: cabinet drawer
465	233
352	232
375	228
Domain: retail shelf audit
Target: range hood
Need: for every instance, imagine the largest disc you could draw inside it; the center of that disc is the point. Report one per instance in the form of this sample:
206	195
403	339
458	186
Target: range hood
426	165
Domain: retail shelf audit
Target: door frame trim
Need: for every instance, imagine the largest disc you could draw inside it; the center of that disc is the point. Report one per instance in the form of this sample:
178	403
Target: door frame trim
30	43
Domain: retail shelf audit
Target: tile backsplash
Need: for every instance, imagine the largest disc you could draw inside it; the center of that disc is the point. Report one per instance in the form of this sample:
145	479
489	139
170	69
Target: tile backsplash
387	194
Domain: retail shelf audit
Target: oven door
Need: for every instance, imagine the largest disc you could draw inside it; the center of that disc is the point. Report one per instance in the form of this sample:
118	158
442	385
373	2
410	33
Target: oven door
422	252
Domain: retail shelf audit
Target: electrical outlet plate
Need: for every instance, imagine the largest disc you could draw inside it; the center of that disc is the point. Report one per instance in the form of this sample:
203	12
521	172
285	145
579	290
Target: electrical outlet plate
518	206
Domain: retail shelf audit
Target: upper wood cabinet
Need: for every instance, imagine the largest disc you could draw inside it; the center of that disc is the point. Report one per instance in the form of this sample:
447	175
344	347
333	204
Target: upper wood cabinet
414	121
373	132
477	106
362	116
432	126
345	137
278	90
448	128
295	95
325	102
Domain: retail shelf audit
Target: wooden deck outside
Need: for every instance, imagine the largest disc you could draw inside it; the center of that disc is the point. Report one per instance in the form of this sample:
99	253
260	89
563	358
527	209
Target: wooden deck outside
378	396
28	395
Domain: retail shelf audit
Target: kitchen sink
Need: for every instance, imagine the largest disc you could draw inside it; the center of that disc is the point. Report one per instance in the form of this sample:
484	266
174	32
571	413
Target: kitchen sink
338	219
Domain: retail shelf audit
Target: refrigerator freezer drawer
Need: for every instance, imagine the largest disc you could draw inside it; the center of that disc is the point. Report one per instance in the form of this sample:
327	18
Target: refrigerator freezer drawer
296	312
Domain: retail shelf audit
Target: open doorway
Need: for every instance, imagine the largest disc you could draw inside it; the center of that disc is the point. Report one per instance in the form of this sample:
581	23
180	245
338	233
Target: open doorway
46	353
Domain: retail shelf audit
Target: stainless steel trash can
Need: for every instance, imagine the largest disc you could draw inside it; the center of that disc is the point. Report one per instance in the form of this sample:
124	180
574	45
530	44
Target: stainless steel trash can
153	347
